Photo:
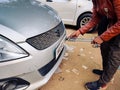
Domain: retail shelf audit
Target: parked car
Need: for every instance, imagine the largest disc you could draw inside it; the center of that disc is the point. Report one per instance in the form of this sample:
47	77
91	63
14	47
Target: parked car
31	44
72	12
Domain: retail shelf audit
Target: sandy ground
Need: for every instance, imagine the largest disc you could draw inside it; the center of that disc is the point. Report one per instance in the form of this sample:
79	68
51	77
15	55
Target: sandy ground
76	67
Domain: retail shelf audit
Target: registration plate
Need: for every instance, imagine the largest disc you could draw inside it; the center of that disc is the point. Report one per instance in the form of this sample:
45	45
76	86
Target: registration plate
59	49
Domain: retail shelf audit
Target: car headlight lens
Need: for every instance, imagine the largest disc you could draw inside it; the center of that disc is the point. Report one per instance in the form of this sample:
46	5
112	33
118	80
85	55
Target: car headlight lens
9	50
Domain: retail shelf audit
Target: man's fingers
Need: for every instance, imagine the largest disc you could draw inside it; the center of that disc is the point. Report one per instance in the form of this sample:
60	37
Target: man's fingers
94	42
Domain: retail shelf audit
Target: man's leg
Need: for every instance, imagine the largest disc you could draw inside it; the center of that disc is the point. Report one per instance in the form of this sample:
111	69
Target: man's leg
113	63
104	54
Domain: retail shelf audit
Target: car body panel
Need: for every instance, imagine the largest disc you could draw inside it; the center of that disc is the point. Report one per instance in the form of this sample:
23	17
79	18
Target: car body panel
11	34
21	20
65	8
29	64
37	80
82	7
70	10
14	16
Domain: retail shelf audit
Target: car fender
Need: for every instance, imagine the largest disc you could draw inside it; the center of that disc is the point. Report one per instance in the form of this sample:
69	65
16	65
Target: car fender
82	7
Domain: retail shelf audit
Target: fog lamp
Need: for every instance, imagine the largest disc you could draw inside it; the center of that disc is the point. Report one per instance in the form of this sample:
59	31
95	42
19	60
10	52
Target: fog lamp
13	84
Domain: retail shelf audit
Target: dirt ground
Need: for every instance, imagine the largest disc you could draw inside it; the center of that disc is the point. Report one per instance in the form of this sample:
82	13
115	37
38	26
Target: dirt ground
76	67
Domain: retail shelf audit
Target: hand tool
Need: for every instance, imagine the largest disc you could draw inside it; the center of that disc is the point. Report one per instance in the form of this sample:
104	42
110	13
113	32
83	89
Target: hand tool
94	45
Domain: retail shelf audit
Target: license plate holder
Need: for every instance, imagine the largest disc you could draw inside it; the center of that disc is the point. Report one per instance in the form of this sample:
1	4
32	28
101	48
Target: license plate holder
59	49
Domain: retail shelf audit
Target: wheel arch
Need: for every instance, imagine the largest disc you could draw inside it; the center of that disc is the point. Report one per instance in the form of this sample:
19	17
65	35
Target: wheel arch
77	21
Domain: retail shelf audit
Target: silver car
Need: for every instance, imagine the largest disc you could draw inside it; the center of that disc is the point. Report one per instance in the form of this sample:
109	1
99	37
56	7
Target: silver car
32	46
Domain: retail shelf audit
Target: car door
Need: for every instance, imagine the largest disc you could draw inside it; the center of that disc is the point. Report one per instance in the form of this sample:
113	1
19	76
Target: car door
65	8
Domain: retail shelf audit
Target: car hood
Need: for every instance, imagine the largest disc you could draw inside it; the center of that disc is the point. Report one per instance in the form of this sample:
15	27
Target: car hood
26	18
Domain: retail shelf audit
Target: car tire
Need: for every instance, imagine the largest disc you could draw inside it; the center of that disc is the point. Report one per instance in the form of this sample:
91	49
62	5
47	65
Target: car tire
83	19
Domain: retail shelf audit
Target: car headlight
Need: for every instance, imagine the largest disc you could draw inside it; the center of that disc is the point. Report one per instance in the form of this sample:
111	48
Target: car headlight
9	50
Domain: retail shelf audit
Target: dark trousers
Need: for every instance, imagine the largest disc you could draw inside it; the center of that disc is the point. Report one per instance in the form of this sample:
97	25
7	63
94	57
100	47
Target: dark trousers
110	52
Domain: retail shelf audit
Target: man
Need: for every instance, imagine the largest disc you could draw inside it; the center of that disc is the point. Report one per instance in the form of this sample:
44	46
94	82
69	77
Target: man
106	13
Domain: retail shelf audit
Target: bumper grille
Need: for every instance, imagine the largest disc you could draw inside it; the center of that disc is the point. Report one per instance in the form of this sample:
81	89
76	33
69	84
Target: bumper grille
46	39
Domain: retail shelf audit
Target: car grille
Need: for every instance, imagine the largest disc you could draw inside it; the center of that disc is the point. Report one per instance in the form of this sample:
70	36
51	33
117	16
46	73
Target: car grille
46	39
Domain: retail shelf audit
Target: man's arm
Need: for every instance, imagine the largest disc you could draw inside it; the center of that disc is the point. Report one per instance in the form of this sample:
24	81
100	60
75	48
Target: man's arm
92	23
114	30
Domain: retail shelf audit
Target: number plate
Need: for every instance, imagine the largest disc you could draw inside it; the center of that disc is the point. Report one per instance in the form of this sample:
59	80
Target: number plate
59	49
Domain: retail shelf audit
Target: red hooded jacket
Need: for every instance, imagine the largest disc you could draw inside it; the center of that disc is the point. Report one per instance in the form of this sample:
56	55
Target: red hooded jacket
110	8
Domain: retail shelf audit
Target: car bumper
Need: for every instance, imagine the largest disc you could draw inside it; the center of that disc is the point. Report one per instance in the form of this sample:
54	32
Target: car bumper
36	80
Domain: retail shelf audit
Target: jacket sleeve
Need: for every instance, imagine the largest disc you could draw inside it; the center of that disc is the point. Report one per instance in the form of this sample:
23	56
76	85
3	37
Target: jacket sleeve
114	30
93	22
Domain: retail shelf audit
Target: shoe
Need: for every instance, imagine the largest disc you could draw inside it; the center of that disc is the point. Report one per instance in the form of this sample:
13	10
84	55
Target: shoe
97	71
95	86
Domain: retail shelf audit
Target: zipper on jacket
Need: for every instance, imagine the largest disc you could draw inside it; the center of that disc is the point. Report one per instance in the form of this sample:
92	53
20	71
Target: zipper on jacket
106	10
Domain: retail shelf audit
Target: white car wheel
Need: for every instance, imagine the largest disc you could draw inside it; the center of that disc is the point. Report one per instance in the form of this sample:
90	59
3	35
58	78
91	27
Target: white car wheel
83	19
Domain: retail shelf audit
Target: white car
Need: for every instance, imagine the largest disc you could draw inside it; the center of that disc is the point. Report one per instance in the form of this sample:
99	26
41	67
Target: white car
31	44
72	12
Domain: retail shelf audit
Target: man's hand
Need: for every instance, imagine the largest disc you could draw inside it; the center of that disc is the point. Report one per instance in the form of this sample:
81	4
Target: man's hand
97	40
74	34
